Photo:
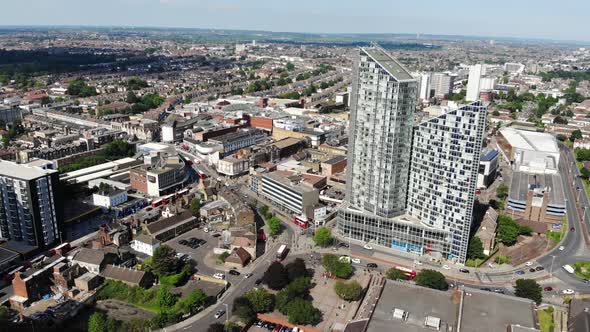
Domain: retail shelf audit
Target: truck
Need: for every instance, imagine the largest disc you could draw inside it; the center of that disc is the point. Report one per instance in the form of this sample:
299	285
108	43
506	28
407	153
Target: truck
281	252
568	268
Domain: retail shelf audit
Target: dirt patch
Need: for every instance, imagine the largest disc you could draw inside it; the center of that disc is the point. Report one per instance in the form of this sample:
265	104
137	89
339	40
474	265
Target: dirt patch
525	250
123	311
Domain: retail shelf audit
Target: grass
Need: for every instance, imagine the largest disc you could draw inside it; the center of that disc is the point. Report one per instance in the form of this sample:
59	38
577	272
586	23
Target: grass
557	236
546	320
584	181
474	262
582	269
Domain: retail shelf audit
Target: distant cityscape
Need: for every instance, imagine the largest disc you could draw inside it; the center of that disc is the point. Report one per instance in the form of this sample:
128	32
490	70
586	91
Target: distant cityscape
226	180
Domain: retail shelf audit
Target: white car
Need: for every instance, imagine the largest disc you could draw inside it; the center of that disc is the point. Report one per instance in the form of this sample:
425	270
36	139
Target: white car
568	291
368	247
219	276
219	313
529	264
206	230
417	262
446	267
248	275
356	260
561	248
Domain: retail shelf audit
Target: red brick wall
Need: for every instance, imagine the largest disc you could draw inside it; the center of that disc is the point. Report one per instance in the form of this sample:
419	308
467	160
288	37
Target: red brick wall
138	180
261	122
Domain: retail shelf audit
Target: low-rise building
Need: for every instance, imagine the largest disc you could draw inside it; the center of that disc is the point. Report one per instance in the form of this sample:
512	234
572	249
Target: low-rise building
232	166
536	197
109	197
488	167
333	166
168	228
142	129
145	244
129	276
93	260
487	230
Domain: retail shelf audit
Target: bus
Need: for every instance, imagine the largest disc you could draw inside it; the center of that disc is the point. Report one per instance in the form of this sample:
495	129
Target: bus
409	273
281	252
301	222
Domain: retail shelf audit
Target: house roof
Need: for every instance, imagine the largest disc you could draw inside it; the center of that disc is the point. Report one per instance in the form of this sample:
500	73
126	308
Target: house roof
146	239
160	225
241	254
123	274
89	256
242	242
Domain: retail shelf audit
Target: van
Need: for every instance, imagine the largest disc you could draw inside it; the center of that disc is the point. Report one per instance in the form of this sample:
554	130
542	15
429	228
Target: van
568	268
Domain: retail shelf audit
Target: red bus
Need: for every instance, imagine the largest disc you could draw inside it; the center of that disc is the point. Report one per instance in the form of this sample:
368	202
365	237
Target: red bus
301	222
409	273
158	202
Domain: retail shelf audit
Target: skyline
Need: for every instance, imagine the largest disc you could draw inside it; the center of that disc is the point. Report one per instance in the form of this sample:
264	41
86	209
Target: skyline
497	20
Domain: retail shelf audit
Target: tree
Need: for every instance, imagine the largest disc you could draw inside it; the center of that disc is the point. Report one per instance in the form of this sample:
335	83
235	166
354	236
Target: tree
348	291
475	249
583	154
336	267
395	274
290	66
195	206
585	172
112	325
431	279
261	300
560	120
243	308
119	149
190	303
303	312
322	237
97	322
165	298
502	191
576	134
274	224
528	289
296	269
276	276
509	230
46	100
164	261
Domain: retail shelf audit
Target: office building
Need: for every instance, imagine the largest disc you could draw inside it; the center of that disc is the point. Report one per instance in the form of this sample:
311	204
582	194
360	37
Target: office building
422	209
473	82
443	175
30	205
293	193
424	93
441	84
530	151
488	167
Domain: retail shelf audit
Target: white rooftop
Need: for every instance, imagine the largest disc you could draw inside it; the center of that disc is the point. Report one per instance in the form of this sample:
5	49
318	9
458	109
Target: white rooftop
530	140
24	172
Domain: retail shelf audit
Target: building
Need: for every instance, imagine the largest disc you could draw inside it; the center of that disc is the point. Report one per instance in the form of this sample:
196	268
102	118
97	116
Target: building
238	258
290	192
441	84
486	231
93	260
232	142
129	276
424	92
334	165
88	281
530	151
427	210
232	166
168	228
8	114
145	244
473	82
409	308
31	211
142	129
488	167
443	175
579	315
109	197
536	197
159	175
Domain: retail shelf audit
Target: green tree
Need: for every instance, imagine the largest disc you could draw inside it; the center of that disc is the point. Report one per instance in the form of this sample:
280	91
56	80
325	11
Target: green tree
192	302
395	274
529	289
132	98
261	300
348	291
296	269
303	312
502	191
276	276
431	279
46	100
112	325
322	237
119	149
164	261
290	66
165	298
97	322
585	173
475	249
576	134
216	327
509	230
244	309
583	154
195	206
274	224
336	267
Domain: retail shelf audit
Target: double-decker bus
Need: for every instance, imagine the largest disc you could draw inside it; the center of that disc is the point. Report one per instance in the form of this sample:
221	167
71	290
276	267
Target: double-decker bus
281	252
409	273
301	222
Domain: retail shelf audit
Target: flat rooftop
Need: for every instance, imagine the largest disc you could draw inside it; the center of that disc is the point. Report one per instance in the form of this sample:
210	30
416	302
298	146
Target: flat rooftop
23	172
522	182
530	140
388	63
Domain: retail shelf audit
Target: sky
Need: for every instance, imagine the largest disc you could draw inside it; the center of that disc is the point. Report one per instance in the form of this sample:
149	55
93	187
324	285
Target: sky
560	20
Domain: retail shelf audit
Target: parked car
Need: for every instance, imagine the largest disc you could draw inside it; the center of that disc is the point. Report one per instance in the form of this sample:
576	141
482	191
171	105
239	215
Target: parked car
356	260
219	313
234	273
446	267
539	268
531	270
368	247
219	275
258	281
372	265
529	263
464	270
568	291
498	290
519	273
548	288
561	248
247	275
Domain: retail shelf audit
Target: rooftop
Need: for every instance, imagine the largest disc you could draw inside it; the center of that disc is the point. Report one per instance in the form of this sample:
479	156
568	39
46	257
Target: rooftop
530	140
388	63
523	182
23	172
123	273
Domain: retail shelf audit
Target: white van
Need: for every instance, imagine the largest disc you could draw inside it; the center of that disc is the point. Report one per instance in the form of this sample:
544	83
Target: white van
569	268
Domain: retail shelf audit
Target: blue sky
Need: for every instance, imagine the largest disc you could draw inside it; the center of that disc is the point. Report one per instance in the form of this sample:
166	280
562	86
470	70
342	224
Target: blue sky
564	19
